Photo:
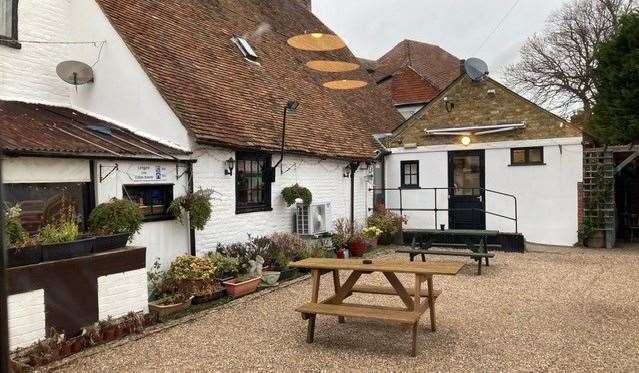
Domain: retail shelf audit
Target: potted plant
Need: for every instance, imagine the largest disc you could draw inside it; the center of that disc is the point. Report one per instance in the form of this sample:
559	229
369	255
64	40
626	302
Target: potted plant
291	193
21	251
590	236
242	285
388	222
170	305
59	241
341	237
356	244
114	223
107	329
371	234
197	205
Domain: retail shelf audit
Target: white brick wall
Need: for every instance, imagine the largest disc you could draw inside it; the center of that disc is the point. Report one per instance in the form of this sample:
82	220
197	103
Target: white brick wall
121	293
26	318
324	178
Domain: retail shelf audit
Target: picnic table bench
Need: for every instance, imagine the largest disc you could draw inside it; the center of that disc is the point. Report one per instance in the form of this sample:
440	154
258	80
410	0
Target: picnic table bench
478	252
413	308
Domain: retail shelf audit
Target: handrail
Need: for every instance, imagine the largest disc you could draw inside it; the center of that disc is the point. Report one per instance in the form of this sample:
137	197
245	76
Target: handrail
401	208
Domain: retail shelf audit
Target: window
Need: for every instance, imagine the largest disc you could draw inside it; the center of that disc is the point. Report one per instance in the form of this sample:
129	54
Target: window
9	23
251	192
410	174
247	50
154	200
527	156
40	202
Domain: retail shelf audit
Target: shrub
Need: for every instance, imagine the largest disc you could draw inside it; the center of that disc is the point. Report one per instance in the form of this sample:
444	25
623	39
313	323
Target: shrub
114	217
191	275
341	233
242	251
290	245
16	234
586	231
290	194
197	205
387	221
225	266
371	233
64	231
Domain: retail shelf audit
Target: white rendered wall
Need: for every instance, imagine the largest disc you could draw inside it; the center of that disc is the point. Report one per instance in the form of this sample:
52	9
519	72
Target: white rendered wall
163	239
324	178
121	293
546	194
26	318
45	170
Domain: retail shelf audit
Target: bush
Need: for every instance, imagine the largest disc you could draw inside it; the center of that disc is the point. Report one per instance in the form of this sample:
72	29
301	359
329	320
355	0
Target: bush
191	275
289	245
242	251
58	232
114	217
16	235
387	221
224	266
197	205
341	233
290	194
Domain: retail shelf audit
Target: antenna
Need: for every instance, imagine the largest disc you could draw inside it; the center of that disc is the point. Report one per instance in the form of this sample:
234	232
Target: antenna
75	72
476	69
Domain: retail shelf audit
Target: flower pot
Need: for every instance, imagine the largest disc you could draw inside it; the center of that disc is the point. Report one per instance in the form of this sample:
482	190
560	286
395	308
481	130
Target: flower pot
240	289
288	273
112	242
67	250
23	256
108	333
357	248
371	243
75	345
215	295
162	310
270	278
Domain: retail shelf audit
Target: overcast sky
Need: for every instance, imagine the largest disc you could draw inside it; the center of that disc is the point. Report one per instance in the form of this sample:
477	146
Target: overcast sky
372	27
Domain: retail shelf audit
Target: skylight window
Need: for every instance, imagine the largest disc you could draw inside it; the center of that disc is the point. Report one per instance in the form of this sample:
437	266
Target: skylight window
247	50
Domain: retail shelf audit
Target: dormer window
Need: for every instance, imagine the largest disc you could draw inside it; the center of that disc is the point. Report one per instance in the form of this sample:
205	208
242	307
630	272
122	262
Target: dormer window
247	50
9	23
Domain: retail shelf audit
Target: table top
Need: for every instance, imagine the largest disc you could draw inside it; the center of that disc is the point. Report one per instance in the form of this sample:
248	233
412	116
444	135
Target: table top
421	268
456	232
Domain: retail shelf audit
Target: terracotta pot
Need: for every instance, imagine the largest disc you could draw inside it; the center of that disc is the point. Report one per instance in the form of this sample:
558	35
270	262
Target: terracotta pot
163	310
76	345
357	248
339	254
108	333
240	289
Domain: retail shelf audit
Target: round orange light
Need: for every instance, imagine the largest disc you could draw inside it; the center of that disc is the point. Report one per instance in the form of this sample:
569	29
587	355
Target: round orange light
345	84
332	66
316	42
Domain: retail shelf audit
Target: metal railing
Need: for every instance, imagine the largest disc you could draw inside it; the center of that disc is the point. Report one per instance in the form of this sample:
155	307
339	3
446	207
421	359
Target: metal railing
435	209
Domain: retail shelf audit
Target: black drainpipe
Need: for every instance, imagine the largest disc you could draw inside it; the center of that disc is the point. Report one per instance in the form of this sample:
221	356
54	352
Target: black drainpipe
189	172
353	169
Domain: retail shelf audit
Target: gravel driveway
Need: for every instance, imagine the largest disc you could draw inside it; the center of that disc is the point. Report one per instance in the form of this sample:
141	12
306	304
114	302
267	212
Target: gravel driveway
549	309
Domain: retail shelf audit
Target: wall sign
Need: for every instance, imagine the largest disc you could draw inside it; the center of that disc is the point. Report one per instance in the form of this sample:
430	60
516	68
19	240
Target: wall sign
148	173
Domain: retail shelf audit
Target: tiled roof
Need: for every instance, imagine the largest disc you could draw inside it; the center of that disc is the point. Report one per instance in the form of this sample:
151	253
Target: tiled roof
185	47
41	129
408	87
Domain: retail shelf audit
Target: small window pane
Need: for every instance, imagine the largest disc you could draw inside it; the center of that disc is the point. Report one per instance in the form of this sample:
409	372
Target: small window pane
534	155
519	156
6	18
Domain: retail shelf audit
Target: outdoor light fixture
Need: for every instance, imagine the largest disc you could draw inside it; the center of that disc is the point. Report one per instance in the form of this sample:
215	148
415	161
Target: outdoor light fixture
345	84
229	164
326	66
465	140
316	42
347	171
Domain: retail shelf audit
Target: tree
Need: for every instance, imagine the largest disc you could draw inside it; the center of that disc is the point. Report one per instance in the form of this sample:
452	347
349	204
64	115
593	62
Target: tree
557	66
616	112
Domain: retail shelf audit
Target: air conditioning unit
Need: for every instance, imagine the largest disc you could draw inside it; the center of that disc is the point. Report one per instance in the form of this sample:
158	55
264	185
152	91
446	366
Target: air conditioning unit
313	220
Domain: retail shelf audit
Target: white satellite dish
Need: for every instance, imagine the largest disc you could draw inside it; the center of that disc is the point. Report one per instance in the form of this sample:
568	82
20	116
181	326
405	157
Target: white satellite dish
75	72
476	69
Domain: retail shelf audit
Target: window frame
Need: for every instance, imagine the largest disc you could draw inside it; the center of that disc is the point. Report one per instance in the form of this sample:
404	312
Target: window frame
250	207
12	40
166	215
527	161
403	174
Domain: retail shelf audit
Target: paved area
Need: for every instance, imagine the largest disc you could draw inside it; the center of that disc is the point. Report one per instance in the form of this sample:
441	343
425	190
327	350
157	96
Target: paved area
547	310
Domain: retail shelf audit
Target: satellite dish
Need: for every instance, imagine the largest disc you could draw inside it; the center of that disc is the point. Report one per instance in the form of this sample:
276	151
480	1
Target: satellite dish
476	69
75	72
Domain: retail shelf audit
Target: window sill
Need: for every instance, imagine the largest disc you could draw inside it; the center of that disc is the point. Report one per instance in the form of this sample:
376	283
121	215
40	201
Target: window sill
526	164
11	43
409	187
248	210
149	219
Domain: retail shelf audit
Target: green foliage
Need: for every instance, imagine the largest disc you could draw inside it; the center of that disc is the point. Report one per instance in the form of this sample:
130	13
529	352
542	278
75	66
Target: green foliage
114	217
64	231
197	205
191	275
290	194
387	221
616	112
16	234
242	251
371	232
225	266
586	231
341	233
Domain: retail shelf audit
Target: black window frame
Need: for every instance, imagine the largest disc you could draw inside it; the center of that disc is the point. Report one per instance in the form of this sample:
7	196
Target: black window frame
12	40
403	174
165	215
527	161
249	207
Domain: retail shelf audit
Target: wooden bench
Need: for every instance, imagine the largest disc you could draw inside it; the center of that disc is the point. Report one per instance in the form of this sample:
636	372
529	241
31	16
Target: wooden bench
477	253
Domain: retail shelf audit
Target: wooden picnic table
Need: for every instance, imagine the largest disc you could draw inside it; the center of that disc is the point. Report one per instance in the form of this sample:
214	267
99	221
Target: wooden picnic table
413	308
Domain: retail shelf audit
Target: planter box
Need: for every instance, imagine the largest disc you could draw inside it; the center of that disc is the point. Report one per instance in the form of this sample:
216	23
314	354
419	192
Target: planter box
23	256
217	294
240	289
112	242
67	250
288	273
163	310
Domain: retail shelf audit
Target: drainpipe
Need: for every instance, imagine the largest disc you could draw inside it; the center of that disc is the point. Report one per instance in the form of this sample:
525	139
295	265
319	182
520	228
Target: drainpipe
353	169
189	171
4	321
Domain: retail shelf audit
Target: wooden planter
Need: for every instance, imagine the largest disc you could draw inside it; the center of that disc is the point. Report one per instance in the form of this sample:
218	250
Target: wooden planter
23	256
240	289
163	310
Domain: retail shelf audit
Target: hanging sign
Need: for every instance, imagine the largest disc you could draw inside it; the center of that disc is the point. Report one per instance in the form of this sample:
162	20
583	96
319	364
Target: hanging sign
148	173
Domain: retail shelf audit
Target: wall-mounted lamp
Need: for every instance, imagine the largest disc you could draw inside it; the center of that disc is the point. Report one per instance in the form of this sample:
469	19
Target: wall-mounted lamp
347	171
449	103
465	140
229	165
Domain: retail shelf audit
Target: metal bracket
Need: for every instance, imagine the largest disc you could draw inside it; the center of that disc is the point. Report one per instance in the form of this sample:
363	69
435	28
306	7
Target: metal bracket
113	169
178	175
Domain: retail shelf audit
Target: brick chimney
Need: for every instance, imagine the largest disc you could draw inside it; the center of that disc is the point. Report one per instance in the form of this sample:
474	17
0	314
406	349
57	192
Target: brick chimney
306	4
462	67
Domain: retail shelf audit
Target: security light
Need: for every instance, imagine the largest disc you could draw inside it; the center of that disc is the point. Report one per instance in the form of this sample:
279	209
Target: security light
465	140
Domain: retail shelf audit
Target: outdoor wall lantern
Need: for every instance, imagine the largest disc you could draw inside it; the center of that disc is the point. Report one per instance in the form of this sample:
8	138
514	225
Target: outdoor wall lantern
229	164
465	140
347	171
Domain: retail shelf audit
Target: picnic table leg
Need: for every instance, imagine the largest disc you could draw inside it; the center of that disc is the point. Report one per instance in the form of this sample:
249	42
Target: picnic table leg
337	284
416	308
413	351
412	257
423	258
487	263
431	303
315	275
479	262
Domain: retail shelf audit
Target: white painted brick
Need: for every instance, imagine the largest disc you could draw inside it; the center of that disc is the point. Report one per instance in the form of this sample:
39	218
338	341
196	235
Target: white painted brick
26	318
121	293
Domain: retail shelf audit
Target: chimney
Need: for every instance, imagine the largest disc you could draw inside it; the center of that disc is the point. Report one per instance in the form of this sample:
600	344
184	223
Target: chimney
462	67
305	3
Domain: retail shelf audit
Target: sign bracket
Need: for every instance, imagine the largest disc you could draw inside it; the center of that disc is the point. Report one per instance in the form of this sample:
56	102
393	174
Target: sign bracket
112	170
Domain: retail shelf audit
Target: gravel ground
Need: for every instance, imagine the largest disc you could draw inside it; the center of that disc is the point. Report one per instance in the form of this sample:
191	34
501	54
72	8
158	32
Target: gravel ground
547	310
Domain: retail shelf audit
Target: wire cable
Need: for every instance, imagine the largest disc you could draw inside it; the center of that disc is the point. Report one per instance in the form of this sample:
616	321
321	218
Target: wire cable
501	21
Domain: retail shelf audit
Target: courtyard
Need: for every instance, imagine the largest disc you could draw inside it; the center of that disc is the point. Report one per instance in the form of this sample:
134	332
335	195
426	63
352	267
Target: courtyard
550	309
